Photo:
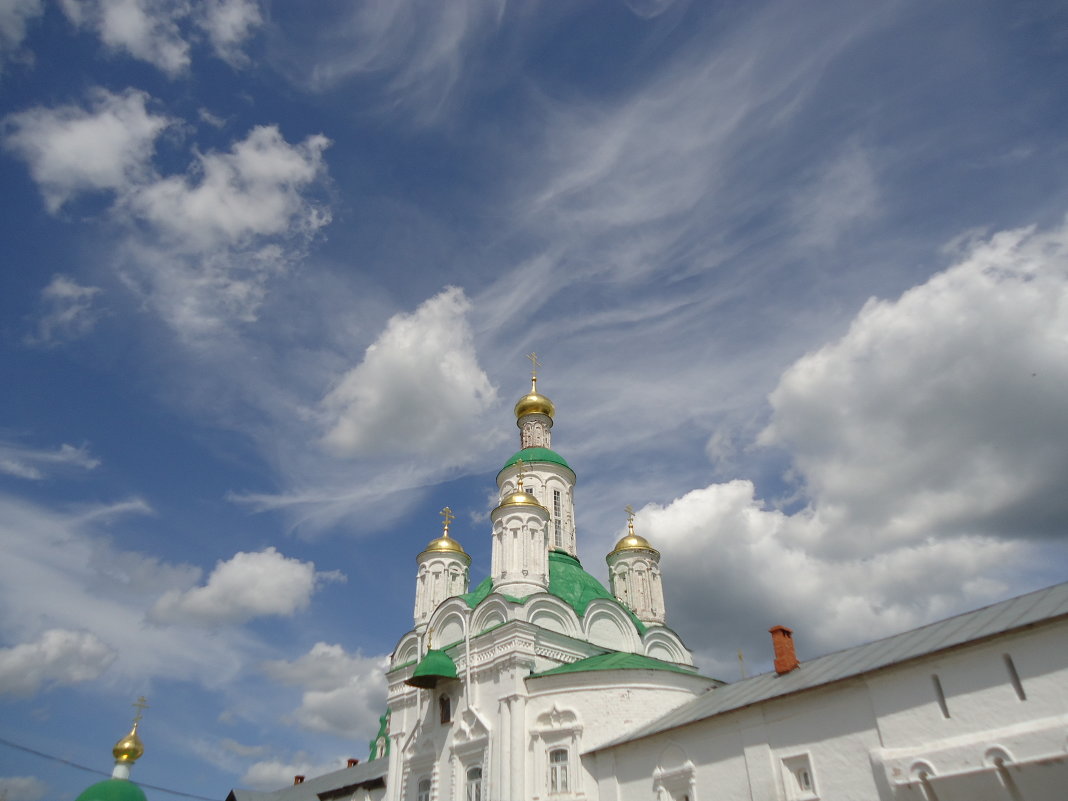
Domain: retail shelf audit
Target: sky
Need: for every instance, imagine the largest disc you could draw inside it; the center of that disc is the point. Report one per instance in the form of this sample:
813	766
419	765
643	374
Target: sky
797	274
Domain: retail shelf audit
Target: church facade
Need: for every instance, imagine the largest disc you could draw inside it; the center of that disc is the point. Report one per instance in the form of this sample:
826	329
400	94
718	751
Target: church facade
541	684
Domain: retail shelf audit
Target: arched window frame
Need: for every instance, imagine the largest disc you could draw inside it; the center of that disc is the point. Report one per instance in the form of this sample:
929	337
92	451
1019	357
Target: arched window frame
474	783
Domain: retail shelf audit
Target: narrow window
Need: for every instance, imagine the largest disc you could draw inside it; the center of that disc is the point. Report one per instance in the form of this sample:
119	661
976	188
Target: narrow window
940	694
558	526
558	761
474	784
424	790
445	708
1014	677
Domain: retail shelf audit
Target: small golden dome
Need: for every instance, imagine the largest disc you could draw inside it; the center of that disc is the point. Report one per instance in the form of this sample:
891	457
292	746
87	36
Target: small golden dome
520	498
444	544
130	748
632	541
534	403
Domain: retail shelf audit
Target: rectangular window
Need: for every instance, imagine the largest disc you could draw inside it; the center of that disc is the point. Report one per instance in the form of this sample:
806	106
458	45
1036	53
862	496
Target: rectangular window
474	784
424	790
558	764
558	525
798	778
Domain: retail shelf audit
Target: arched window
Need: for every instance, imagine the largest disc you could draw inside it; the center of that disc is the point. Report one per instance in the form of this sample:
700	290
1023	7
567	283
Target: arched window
474	784
424	790
558	761
445	708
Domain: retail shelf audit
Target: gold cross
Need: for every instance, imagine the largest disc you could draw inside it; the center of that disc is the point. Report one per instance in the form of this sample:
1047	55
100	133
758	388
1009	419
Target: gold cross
534	363
519	475
448	517
141	705
630	517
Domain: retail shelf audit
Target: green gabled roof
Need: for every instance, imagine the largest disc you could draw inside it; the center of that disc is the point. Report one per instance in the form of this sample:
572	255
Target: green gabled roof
113	790
529	455
617	661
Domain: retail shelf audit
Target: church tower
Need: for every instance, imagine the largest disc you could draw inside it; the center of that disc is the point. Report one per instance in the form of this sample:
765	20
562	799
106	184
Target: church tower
520	543
634	575
443	572
547	476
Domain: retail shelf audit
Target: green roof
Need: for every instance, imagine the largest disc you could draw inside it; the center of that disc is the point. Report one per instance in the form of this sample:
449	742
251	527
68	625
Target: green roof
617	661
113	790
436	663
529	455
567	581
573	585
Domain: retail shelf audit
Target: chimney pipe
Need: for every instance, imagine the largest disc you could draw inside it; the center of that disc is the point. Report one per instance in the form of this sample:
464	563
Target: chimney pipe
353	762
782	639
298	779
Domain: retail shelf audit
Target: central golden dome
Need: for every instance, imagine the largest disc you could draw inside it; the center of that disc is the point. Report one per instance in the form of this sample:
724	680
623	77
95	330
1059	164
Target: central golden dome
534	403
444	544
130	748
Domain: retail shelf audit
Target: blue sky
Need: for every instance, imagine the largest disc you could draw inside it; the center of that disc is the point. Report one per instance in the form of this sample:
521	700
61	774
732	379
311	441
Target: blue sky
797	273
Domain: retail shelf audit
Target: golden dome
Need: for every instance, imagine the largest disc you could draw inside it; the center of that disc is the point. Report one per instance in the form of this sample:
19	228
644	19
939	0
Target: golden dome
632	541
444	544
520	498
130	748
534	403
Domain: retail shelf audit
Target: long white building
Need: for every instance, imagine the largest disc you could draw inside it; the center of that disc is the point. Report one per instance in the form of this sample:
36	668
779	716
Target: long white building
540	684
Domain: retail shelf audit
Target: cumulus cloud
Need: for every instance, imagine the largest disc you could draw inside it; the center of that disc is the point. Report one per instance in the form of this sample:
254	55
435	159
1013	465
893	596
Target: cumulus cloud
929	445
69	149
227	198
69	312
942	410
15	18
419	388
228	23
342	692
58	657
144	29
22	788
35	463
247	586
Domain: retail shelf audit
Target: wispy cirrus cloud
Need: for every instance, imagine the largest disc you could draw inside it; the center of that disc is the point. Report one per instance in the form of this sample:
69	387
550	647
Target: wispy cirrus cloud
37	463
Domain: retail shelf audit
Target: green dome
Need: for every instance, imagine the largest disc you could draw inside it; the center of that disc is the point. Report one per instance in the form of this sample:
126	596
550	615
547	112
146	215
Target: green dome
113	790
530	455
436	665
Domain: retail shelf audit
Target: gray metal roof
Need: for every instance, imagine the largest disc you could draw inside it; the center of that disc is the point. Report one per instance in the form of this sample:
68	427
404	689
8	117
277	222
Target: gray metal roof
319	787
998	618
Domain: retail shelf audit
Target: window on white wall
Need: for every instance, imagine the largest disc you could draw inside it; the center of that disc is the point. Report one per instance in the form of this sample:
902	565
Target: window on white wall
424	790
558	769
558	526
474	784
798	778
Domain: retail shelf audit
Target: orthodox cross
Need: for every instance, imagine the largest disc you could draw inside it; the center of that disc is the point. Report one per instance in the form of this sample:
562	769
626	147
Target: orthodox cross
448	517
534	365
141	704
630	517
519	475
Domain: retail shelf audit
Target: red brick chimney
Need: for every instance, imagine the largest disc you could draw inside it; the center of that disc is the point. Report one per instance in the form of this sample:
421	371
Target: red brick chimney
298	779
353	762
782	639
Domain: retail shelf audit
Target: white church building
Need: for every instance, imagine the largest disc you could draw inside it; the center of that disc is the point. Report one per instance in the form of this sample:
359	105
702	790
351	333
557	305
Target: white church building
540	684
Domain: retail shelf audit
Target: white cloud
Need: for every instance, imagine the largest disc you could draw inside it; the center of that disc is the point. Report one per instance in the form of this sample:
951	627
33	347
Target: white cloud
419	388
159	31
228	198
249	585
69	312
15	17
22	788
71	150
57	657
228	24
342	692
145	29
942	410
32	463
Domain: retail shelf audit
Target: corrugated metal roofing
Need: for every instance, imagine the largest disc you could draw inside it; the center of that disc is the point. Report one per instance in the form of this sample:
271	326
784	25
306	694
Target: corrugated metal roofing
998	618
319	787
